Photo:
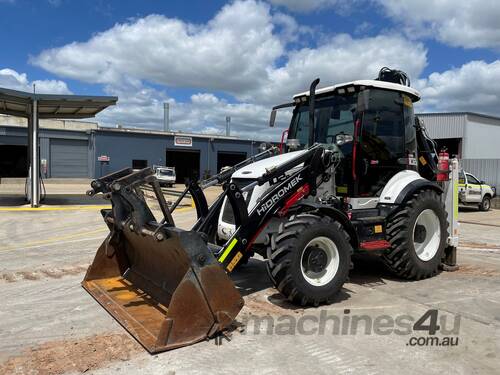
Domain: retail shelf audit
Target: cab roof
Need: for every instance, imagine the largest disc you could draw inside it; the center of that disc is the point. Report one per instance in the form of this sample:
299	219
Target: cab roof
411	92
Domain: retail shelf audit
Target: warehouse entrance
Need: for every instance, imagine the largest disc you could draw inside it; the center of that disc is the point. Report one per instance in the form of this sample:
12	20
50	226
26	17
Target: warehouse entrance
13	161
186	163
229	159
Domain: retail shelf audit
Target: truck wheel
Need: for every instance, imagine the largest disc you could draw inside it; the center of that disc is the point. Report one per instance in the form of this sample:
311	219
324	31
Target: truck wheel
309	259
485	204
418	234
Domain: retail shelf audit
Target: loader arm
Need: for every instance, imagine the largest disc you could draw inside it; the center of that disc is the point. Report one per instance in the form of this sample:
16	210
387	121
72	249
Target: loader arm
289	188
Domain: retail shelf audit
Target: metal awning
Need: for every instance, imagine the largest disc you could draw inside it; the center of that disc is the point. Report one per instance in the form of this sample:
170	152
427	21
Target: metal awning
45	106
19	103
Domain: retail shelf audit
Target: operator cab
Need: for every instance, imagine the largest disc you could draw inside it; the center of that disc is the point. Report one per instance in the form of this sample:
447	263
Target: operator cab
370	122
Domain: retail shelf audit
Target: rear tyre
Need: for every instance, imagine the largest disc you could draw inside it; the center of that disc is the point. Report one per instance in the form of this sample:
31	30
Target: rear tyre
309	259
485	204
418	234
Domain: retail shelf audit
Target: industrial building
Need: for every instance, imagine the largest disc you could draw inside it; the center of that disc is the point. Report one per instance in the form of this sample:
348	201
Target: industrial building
472	137
71	148
462	133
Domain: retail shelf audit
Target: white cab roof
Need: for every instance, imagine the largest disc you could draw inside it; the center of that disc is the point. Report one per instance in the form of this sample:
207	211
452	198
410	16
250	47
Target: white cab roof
414	94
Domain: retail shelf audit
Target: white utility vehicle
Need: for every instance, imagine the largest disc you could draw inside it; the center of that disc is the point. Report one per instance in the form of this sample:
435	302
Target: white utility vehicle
165	176
474	192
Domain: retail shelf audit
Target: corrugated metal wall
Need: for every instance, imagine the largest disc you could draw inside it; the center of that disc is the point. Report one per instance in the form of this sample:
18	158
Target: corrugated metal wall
444	125
484	169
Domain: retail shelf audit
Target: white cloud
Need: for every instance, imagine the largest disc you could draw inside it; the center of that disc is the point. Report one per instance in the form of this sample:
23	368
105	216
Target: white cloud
230	52
204	113
11	79
464	23
466	88
236	52
305	6
470	87
342	59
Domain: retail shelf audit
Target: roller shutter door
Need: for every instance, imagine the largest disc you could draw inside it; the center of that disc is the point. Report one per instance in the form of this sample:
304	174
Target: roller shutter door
68	158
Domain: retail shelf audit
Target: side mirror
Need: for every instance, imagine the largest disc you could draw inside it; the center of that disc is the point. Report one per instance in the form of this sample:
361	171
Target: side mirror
272	119
482	182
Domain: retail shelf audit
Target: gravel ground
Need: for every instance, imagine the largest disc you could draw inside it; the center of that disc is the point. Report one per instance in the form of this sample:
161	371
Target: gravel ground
50	325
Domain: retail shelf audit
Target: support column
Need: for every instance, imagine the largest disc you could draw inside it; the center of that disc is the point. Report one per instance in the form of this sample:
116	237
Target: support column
35	157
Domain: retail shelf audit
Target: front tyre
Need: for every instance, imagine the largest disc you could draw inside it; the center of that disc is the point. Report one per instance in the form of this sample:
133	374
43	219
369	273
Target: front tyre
309	259
485	204
418	234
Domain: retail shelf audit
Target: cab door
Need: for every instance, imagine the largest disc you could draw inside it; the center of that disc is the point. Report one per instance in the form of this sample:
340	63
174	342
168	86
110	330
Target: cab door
472	189
381	142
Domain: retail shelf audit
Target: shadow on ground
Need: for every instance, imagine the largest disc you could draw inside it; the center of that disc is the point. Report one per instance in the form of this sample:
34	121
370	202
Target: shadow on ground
13	200
468	209
368	271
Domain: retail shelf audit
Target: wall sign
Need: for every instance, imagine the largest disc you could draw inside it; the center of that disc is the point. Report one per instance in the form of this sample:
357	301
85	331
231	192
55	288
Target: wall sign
183	141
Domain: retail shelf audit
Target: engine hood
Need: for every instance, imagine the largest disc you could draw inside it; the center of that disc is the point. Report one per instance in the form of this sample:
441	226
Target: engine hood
257	169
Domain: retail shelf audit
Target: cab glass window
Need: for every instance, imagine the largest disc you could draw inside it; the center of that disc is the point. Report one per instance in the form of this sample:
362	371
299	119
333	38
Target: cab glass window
472	180
383	135
332	116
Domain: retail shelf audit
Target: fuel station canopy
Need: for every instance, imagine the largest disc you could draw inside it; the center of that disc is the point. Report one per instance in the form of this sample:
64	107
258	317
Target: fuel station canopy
47	106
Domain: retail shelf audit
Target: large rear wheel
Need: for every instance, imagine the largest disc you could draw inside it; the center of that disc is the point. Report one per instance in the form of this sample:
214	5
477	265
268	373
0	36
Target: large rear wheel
309	259
418	234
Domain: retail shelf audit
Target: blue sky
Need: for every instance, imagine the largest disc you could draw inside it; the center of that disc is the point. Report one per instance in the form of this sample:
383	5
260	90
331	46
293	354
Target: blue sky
210	59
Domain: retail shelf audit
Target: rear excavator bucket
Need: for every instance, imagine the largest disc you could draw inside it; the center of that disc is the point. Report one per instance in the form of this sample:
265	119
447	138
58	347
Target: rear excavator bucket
161	283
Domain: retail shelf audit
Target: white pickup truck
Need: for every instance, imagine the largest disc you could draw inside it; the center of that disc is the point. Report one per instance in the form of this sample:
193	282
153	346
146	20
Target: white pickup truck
165	176
472	191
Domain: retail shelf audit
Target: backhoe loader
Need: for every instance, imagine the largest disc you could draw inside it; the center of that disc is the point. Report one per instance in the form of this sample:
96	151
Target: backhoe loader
358	174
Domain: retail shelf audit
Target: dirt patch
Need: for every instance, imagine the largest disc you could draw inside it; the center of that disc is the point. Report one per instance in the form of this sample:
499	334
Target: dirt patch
9	277
29	275
478	245
479	223
268	302
52	273
476	271
59	357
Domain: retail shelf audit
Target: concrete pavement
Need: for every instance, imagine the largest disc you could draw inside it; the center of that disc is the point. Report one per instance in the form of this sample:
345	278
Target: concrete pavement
49	324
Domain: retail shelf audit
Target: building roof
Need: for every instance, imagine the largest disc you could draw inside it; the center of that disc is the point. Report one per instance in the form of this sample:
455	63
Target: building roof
497	118
171	133
18	103
414	94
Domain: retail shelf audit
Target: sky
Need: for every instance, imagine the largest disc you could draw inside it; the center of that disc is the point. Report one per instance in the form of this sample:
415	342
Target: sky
212	59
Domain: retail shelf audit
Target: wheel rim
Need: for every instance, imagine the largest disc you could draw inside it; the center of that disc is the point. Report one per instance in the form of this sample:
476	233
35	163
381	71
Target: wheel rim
426	235
319	261
486	204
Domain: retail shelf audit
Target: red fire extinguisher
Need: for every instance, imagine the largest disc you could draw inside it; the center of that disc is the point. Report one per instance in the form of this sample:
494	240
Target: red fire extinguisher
443	166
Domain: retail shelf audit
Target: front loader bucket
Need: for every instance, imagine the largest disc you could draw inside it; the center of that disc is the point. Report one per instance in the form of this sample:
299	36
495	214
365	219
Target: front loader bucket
164	286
